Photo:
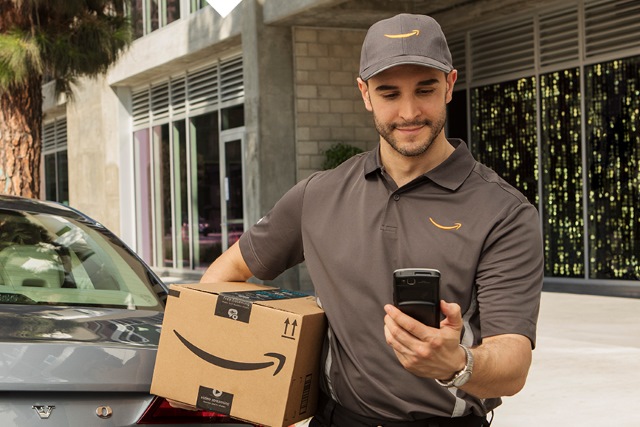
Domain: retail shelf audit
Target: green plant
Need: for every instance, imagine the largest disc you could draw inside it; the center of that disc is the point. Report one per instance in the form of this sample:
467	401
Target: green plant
337	154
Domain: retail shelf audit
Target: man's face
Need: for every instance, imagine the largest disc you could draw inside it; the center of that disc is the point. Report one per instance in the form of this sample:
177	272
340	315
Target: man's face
409	106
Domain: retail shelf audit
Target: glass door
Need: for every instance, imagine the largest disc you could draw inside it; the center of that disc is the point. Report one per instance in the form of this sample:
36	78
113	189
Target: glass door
232	194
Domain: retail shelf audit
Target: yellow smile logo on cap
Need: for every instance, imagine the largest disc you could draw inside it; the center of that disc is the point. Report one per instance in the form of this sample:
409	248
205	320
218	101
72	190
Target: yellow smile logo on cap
403	36
455	226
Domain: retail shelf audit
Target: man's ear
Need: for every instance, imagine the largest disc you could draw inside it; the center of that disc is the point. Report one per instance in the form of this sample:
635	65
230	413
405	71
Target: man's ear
364	91
452	77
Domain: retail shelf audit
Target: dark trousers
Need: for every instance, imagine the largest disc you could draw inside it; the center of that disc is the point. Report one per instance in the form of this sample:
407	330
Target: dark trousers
331	414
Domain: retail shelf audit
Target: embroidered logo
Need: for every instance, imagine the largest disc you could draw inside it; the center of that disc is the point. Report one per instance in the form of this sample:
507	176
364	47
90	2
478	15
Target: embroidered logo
455	226
403	36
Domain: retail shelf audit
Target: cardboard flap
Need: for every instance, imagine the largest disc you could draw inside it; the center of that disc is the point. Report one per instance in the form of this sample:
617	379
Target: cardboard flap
219	287
267	296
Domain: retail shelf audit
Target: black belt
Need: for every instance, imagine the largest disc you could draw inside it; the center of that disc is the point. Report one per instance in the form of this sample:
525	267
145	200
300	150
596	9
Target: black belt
332	414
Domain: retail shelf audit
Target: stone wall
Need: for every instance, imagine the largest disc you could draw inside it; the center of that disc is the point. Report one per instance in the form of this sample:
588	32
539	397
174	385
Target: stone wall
329	108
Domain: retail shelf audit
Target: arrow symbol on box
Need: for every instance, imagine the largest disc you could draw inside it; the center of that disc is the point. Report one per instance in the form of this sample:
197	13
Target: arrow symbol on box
294	326
230	364
223	7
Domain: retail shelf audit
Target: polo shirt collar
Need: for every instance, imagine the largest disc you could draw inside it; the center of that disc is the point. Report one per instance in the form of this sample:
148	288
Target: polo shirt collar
449	174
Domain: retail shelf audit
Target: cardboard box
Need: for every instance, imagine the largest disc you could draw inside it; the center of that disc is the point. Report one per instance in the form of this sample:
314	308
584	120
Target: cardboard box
245	350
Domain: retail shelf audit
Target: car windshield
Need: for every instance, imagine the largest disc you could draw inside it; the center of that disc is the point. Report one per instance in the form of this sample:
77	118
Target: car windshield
55	260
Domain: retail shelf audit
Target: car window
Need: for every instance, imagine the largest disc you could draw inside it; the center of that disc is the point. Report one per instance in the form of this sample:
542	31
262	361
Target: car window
51	259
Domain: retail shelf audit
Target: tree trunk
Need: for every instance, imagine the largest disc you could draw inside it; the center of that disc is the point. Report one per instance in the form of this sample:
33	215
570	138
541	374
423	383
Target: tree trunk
20	139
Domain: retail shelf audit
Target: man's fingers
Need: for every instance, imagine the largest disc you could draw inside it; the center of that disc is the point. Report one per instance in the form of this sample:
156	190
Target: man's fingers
407	323
453	315
180	405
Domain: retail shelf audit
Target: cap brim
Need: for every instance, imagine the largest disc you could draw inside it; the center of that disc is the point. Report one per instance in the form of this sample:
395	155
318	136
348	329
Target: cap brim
404	60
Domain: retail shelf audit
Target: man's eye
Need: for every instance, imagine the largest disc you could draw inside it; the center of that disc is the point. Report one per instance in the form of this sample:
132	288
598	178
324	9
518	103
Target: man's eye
426	91
389	95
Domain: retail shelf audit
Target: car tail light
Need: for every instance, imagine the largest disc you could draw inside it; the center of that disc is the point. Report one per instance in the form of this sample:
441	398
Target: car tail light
161	412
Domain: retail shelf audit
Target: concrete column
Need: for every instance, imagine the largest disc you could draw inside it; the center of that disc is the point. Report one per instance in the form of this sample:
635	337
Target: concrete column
269	116
93	153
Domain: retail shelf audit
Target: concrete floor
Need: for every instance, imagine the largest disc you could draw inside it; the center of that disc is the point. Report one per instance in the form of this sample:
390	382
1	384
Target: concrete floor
586	366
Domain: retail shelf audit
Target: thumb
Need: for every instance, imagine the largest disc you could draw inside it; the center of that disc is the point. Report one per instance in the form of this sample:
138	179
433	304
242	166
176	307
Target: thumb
453	315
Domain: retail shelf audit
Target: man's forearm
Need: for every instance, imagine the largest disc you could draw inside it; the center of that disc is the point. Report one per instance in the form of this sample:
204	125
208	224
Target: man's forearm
228	267
501	366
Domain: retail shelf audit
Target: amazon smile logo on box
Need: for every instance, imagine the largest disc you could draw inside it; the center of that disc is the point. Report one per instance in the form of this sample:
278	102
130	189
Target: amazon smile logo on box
230	364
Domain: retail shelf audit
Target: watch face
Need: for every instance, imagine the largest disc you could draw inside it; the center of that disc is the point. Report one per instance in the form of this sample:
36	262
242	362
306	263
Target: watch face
462	379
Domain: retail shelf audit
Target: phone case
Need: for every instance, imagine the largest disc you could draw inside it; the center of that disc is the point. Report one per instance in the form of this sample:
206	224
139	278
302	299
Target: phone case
416	291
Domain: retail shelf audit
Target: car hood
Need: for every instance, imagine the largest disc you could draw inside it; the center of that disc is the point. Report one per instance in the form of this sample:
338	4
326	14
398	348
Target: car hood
77	348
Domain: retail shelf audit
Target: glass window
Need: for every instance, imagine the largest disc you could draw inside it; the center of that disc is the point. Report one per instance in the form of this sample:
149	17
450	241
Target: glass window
55	180
613	141
204	130
503	132
173	10
233	167
457	116
561	159
153	15
52	259
136	13
234	190
233	117
50	180
189	185
149	15
56	177
198	4
63	177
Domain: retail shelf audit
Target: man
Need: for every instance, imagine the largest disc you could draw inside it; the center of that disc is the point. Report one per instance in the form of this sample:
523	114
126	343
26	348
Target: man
418	200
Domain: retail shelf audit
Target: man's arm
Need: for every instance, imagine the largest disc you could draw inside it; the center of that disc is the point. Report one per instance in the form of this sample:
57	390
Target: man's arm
228	267
501	362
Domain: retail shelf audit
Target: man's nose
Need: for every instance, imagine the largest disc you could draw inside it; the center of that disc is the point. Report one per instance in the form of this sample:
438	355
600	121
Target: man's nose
410	109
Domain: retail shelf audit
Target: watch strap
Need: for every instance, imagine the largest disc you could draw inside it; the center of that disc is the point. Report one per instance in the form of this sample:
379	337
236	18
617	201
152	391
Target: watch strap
467	370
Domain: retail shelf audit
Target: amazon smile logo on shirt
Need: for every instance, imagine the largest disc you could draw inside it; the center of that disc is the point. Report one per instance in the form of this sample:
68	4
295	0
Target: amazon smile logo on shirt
454	226
403	36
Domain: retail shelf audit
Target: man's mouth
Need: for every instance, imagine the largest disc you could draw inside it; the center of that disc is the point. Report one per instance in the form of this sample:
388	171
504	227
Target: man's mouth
411	127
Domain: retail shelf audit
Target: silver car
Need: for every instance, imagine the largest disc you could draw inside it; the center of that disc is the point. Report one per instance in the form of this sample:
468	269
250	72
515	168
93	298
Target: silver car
80	318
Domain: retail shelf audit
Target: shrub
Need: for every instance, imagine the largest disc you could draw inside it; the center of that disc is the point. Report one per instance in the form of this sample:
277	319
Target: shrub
337	154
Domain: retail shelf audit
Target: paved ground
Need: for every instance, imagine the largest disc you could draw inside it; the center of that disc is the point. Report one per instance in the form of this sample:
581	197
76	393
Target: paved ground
586	367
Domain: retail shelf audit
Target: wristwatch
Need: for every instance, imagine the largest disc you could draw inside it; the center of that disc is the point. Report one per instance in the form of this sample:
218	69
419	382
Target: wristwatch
463	376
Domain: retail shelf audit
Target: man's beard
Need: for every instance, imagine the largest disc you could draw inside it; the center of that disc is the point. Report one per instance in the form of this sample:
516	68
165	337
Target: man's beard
416	149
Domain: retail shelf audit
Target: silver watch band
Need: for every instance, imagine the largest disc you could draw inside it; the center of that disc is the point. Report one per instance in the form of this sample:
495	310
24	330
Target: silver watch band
461	377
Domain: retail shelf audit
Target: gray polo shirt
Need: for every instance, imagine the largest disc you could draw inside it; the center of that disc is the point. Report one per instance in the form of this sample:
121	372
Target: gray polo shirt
353	227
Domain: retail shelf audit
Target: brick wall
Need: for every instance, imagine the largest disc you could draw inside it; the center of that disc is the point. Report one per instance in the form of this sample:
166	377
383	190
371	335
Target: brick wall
329	108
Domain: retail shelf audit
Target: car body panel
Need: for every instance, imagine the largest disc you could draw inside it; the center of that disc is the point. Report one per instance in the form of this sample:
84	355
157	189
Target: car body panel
71	409
90	349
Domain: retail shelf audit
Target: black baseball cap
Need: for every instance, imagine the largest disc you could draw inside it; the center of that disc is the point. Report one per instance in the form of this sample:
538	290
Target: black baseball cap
404	39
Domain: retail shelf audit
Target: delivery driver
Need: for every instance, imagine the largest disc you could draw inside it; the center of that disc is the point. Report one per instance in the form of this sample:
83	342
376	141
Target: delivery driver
417	200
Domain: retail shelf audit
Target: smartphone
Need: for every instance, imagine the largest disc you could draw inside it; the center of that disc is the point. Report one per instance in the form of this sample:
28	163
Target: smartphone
416	291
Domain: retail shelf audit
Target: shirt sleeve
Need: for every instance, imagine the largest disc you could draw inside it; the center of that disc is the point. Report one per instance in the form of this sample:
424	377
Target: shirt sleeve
274	243
510	275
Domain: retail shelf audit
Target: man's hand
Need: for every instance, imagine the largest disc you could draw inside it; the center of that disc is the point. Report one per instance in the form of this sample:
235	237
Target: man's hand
180	405
425	351
501	362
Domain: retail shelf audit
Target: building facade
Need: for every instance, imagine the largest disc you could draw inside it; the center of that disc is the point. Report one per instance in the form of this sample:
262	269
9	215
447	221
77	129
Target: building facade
207	120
